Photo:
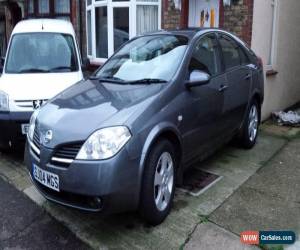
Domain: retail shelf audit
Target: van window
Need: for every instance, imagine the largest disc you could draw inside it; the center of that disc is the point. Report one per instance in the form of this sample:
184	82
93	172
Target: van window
41	53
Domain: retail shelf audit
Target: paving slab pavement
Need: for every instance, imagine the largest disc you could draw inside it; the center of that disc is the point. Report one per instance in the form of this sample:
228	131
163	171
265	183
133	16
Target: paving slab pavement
209	236
126	231
24	225
269	200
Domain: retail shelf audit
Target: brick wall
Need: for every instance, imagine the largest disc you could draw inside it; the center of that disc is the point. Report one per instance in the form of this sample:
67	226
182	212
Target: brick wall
79	24
170	16
238	19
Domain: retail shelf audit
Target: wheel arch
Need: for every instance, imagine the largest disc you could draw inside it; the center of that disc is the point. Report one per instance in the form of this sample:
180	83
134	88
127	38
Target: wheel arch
160	131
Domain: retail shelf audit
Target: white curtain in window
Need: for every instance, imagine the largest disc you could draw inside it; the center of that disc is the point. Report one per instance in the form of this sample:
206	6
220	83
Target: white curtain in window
62	6
146	18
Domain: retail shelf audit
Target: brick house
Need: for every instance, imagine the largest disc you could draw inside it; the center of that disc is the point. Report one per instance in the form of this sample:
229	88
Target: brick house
103	25
127	19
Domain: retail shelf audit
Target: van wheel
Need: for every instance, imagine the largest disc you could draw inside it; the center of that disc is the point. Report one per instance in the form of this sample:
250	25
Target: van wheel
249	131
158	183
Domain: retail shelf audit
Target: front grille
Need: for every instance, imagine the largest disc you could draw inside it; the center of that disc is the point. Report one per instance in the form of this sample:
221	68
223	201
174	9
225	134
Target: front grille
64	155
33	104
36	138
68	151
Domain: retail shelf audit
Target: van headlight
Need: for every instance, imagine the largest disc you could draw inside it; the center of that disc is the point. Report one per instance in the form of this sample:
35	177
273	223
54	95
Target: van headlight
104	143
4	102
32	124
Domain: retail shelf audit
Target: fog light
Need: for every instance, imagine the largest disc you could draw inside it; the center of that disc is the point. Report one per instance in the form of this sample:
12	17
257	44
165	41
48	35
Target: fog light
96	202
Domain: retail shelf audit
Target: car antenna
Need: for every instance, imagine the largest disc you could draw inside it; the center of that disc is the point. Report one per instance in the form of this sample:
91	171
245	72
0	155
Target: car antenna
42	25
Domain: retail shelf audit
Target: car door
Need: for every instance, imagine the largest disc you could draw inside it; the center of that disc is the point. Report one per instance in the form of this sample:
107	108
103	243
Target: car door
238	82
204	104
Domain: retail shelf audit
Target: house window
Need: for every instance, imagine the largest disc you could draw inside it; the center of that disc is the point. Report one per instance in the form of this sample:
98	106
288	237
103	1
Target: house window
60	9
110	23
272	34
44	7
89	32
62	6
31	6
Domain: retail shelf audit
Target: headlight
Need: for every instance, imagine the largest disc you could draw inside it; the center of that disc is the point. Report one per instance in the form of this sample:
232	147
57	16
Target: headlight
32	124
4	101
104	143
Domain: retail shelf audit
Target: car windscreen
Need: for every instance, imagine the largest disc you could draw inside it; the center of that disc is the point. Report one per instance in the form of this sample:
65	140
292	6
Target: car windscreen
41	53
147	57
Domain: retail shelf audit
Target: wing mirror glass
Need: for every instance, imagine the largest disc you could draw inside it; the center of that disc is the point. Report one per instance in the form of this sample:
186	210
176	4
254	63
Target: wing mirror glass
197	78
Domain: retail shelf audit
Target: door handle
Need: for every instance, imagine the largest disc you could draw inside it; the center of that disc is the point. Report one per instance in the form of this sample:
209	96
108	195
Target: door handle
247	77
223	88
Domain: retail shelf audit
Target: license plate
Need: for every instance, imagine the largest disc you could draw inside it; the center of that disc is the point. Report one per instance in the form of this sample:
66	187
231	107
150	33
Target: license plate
25	128
46	178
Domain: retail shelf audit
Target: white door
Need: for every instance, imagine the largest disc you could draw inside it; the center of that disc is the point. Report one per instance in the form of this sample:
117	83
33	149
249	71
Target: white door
204	13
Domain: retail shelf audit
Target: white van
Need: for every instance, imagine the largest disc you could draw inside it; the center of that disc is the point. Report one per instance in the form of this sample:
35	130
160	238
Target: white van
42	60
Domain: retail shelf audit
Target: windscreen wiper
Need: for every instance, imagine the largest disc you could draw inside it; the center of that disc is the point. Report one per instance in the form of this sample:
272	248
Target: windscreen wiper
34	70
147	81
60	68
109	79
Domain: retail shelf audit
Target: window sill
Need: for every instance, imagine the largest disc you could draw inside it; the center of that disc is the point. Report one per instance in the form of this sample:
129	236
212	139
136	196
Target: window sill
271	72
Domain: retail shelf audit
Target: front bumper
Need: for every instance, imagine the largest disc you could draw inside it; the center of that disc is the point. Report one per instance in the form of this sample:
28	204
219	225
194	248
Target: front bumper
115	182
10	127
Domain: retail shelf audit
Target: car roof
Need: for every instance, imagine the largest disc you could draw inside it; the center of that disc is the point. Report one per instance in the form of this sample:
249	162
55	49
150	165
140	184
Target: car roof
188	32
193	31
44	25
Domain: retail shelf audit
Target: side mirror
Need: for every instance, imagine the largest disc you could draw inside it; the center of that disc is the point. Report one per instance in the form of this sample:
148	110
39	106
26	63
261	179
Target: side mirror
197	78
85	64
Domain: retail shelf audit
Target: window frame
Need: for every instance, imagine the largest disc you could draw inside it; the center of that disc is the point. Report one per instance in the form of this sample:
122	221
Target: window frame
271	61
111	4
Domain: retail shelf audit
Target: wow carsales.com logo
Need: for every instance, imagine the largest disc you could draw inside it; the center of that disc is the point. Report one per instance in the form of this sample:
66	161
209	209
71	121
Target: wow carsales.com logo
268	237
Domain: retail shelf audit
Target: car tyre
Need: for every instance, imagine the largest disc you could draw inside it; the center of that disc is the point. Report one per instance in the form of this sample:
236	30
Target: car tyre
158	184
249	130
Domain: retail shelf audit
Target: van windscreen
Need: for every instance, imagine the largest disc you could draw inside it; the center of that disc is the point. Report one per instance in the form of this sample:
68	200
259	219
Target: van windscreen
41	53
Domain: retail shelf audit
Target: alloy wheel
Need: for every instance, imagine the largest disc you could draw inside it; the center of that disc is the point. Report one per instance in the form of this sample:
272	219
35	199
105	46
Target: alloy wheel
253	123
163	181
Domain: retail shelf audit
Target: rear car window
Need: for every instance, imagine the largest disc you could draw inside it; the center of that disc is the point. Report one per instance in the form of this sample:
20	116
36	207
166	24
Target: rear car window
230	52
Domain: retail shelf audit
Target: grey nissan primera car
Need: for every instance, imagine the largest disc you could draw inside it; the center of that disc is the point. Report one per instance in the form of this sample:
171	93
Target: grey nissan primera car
122	139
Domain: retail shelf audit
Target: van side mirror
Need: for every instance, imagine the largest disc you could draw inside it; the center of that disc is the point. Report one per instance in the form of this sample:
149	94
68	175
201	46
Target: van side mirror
85	64
197	78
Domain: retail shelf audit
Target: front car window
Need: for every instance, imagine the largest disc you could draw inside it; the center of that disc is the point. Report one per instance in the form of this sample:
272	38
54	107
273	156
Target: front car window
41	53
147	57
205	56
